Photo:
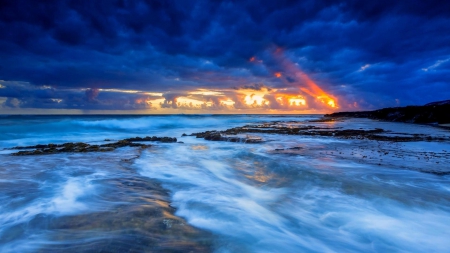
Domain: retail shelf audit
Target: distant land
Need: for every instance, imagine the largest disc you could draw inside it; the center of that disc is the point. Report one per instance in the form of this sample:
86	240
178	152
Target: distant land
437	113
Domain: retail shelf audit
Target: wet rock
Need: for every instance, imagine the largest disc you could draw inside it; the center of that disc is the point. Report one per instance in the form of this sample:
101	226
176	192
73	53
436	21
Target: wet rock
81	147
234	139
168	139
370	134
224	136
154	138
106	149
208	135
253	139
213	136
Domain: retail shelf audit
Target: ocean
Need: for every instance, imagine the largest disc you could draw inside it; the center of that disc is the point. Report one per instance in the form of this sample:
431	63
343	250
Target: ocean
289	193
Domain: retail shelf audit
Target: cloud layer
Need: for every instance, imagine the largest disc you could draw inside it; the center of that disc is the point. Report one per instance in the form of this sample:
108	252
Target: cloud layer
213	55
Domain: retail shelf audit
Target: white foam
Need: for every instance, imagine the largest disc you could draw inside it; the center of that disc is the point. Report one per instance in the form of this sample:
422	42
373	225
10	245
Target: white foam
310	214
65	200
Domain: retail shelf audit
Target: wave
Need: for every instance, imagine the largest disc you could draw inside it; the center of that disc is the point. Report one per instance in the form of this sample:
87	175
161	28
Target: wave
47	129
258	203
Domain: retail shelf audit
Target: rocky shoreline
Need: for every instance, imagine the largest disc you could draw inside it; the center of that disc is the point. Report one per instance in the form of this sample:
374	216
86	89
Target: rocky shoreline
374	142
377	134
81	147
437	113
375	147
236	134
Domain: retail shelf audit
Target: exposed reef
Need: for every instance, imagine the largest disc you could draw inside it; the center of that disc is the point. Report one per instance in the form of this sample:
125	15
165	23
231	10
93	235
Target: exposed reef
378	134
221	136
81	147
432	113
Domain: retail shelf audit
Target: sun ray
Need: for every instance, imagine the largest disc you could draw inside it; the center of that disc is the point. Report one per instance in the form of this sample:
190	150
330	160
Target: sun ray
304	82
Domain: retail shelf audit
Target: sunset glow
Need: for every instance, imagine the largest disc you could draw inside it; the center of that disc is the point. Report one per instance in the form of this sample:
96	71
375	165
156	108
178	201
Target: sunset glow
205	92
298	93
297	101
228	102
189	101
254	99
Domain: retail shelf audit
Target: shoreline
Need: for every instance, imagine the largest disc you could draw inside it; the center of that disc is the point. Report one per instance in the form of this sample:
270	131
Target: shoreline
256	134
437	113
137	190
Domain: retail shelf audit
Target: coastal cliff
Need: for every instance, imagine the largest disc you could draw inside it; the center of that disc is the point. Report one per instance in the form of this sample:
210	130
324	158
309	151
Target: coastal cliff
431	113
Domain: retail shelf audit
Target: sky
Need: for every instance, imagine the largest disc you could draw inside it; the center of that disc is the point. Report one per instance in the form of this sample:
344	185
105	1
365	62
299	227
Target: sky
249	56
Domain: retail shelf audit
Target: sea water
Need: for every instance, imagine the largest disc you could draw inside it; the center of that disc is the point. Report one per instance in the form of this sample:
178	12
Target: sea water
329	195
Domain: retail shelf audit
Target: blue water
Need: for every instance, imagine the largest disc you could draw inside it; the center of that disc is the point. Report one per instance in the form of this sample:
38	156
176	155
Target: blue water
217	196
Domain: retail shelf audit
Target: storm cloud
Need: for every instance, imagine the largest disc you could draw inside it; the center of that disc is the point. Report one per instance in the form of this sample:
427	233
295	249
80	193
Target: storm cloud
128	55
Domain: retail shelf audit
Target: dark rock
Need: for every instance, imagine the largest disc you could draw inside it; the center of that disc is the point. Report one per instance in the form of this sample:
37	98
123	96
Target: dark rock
217	136
252	139
106	149
154	138
436	112
234	139
371	134
41	149
168	139
213	137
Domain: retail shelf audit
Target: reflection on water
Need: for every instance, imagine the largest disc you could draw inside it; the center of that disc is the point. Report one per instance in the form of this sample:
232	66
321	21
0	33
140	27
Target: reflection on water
199	147
259	176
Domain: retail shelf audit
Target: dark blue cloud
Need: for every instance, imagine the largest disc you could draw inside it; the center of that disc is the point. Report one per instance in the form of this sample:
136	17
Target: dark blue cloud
374	53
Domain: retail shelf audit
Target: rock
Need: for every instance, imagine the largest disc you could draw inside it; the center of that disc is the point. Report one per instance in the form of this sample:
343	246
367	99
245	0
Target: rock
213	137
234	139
436	112
252	139
41	149
106	149
371	134
166	139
